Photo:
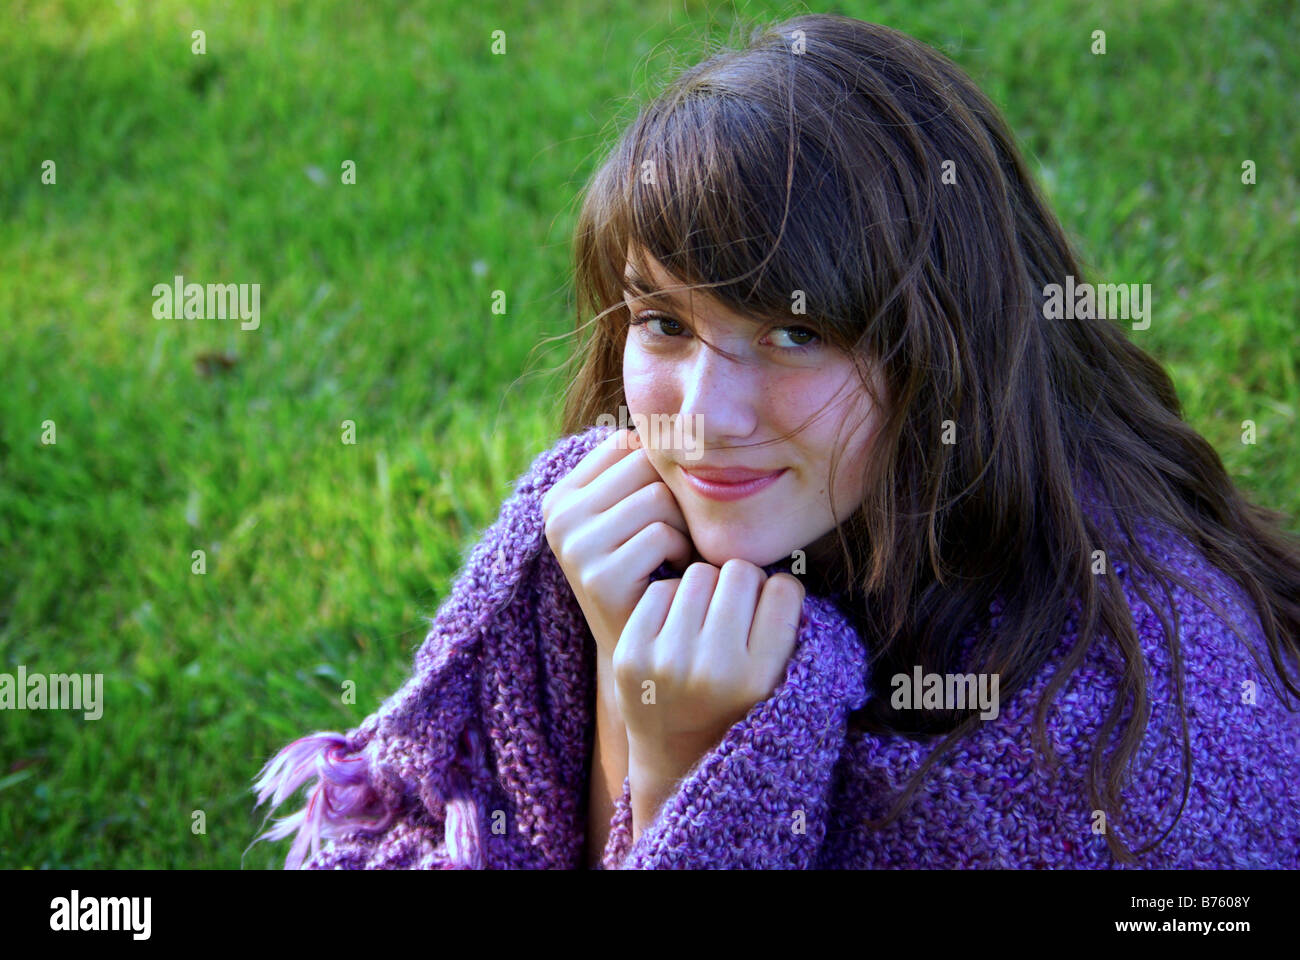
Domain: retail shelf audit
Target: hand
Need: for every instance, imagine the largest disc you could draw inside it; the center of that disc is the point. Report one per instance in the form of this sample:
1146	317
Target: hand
714	643
610	523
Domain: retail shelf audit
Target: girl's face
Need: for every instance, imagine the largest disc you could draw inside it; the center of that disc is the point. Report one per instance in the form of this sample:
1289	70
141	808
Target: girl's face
728	406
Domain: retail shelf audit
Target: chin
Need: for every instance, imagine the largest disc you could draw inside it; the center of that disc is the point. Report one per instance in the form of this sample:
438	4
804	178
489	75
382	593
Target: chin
718	549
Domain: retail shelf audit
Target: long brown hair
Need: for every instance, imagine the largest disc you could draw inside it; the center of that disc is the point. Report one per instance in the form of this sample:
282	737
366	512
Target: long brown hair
858	167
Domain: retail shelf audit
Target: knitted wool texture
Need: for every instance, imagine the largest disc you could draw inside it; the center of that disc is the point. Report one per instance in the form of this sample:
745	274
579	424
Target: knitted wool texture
481	759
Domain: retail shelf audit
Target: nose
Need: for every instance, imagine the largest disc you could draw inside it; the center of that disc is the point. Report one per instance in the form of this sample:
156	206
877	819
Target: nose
719	397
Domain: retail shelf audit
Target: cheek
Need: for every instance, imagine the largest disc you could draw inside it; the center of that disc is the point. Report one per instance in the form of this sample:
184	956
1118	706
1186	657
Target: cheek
648	385
811	404
840	422
794	398
860	421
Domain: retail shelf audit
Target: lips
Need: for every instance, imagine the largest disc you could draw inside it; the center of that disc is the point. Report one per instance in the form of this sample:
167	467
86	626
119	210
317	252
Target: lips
729	474
730	483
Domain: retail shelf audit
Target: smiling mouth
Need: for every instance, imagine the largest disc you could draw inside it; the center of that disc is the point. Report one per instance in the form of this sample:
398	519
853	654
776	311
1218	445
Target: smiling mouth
733	483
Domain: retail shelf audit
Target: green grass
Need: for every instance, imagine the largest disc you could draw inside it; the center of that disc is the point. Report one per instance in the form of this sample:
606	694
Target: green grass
323	557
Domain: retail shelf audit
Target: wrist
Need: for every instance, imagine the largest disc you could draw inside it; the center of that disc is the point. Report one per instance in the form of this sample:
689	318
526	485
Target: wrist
654	772
666	759
652	779
611	731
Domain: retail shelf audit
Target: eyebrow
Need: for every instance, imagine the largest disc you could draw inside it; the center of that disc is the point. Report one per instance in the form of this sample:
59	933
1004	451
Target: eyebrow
633	282
646	292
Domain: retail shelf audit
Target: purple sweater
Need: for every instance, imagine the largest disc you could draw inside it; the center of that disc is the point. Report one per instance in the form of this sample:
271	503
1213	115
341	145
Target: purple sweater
481	759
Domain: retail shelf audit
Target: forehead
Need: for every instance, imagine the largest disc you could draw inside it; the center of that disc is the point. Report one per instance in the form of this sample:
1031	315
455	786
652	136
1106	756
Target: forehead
646	278
652	287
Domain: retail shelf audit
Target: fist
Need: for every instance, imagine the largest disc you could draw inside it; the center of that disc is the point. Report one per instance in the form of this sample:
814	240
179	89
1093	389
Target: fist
698	652
610	523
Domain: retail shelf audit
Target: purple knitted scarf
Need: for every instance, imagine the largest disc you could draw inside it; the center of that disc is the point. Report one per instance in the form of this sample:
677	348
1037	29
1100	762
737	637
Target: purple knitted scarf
481	759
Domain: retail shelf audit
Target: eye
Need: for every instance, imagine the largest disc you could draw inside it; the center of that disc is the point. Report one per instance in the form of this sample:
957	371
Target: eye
669	326
801	337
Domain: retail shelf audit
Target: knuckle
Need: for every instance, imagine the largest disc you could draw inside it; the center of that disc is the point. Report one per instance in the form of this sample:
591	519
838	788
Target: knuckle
664	532
743	570
714	679
622	658
785	586
555	537
700	688
660	495
550	499
700	570
552	534
662	668
662	588
552	517
627	668
590	579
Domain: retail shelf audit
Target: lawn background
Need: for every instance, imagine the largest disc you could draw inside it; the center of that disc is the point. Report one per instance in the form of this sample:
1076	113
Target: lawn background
322	558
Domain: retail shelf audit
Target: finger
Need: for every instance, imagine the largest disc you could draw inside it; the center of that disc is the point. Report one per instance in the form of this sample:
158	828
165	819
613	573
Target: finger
620	480
682	554
649	548
734	603
686	617
634	654
776	620
638	510
600	458
648	617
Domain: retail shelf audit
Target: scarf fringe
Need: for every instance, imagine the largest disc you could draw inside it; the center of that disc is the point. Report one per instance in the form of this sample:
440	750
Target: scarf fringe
464	839
344	800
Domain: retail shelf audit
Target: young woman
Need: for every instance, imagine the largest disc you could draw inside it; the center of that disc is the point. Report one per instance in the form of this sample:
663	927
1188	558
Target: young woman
899	568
